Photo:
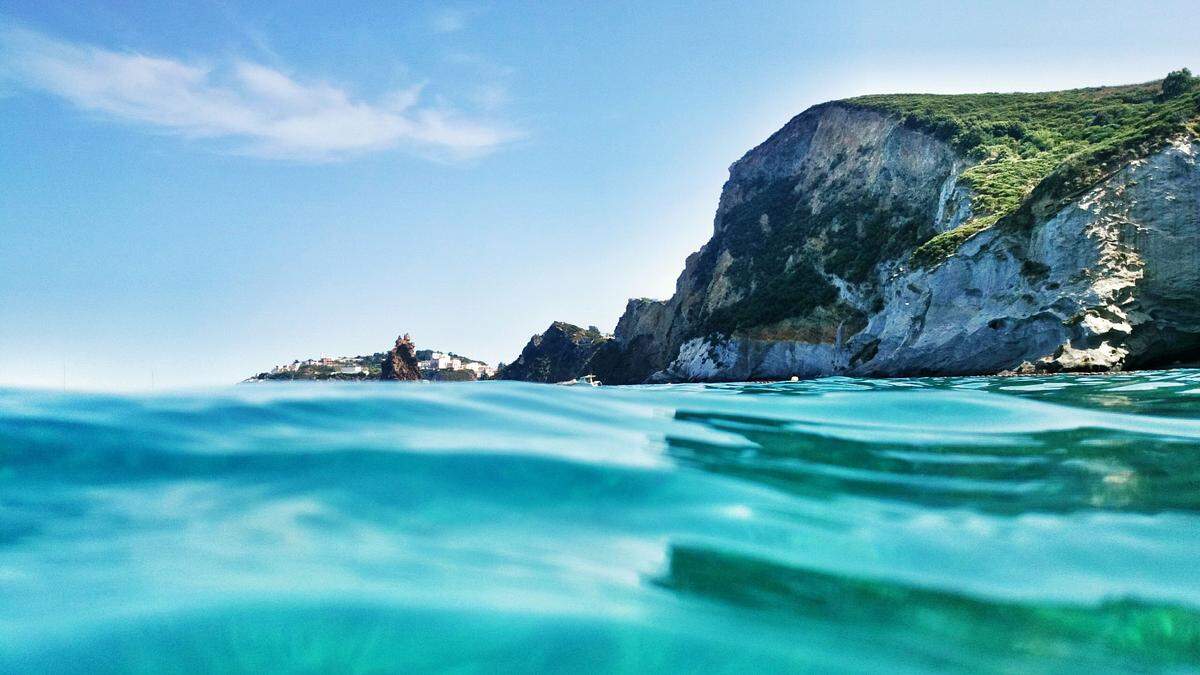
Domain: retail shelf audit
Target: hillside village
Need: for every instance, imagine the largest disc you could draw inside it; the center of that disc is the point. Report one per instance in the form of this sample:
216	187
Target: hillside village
434	365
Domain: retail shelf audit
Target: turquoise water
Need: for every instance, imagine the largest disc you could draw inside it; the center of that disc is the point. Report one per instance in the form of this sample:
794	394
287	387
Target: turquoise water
1041	524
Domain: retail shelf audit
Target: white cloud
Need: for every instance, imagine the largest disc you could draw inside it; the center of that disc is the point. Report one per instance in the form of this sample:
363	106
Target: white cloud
449	20
491	96
258	109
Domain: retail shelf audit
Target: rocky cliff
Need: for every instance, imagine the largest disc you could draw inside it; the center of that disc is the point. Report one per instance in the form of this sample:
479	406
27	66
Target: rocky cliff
562	352
937	235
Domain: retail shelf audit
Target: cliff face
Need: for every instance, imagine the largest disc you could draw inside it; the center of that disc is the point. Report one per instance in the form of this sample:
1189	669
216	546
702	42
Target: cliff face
790	273
1108	282
858	240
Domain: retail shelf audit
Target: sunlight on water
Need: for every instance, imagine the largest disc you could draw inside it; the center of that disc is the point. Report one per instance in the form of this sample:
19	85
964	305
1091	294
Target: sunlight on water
968	524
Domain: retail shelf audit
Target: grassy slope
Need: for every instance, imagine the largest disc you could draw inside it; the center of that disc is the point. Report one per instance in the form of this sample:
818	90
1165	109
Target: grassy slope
1039	146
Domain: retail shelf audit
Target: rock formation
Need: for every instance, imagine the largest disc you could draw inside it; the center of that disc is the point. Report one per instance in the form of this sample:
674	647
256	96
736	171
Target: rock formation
562	352
401	362
860	239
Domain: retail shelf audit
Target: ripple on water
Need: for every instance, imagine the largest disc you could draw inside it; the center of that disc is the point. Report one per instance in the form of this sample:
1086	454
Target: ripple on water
972	524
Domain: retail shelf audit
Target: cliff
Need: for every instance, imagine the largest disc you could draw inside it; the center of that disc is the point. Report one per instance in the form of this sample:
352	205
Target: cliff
938	235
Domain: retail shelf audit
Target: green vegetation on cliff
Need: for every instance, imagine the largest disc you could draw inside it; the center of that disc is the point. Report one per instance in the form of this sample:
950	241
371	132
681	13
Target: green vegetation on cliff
1042	146
764	237
778	245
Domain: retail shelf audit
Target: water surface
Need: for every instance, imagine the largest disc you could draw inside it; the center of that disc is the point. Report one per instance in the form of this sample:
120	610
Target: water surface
962	524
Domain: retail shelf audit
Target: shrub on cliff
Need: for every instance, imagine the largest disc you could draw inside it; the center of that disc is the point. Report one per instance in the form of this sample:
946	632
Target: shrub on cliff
1177	83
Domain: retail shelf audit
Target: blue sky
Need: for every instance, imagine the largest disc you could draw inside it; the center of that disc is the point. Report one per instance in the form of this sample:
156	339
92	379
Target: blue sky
192	192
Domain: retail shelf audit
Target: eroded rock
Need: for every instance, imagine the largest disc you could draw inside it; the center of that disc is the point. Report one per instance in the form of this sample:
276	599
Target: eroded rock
400	363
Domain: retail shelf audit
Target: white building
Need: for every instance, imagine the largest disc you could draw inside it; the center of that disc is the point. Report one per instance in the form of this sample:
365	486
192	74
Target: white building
442	361
480	369
352	370
435	362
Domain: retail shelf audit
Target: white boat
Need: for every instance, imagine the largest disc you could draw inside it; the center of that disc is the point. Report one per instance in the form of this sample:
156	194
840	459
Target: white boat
585	381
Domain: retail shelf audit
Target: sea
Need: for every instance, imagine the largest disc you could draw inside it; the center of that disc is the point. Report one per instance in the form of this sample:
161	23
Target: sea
971	524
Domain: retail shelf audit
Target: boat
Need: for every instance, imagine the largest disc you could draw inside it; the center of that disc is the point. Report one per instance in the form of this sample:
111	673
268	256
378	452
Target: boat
583	380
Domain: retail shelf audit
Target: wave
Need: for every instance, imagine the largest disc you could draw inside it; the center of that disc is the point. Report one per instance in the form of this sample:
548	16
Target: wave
967	524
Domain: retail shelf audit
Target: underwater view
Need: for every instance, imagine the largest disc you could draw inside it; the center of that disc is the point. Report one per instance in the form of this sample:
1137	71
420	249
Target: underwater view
1028	524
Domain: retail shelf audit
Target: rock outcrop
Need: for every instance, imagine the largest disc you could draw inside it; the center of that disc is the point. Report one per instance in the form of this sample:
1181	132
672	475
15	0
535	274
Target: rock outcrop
812	267
401	362
562	352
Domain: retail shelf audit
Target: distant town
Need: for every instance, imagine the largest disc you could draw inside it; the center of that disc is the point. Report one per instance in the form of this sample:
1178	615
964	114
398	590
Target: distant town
434	365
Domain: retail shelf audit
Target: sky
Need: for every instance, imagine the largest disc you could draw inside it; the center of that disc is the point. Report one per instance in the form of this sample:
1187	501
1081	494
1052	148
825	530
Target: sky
193	192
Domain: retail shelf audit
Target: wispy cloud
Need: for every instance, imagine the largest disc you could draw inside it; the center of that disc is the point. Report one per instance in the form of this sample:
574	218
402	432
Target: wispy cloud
491	96
254	108
450	19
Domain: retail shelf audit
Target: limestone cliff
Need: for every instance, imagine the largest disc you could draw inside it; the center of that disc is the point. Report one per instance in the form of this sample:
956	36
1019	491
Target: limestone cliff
918	236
